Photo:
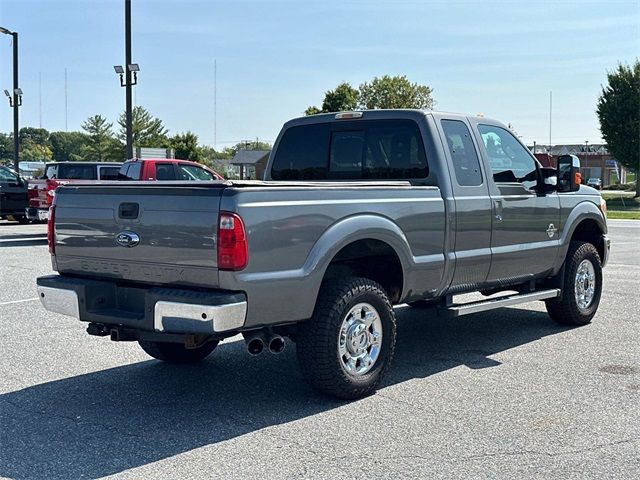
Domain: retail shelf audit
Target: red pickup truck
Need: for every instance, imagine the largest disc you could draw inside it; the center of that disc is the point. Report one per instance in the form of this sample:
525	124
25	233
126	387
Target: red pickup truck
166	169
42	190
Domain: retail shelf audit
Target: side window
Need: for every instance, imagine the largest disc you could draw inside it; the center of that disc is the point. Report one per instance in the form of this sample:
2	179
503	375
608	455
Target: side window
122	174
108	173
510	161
191	172
134	171
165	171
463	153
51	172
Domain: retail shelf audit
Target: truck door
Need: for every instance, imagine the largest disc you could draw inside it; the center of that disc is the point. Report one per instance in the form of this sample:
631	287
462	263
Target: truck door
473	205
525	223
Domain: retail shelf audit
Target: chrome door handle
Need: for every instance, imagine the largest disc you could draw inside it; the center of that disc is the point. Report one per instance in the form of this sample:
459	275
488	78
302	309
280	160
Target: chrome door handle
497	210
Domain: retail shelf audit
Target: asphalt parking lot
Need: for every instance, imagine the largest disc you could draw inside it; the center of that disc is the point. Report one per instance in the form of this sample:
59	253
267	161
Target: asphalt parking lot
503	394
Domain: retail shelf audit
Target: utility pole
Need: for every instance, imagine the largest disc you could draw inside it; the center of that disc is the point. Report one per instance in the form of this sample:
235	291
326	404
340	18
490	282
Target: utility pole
215	104
40	99
66	103
15	99
550	115
128	108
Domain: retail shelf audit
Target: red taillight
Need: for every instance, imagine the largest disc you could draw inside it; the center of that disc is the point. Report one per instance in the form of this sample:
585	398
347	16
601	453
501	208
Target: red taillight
232	242
51	235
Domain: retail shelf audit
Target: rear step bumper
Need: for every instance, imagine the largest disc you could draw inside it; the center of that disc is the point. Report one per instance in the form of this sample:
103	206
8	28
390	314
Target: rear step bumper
457	310
159	309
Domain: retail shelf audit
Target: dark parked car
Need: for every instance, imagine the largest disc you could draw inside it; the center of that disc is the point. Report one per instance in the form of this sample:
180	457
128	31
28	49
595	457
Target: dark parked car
13	195
595	183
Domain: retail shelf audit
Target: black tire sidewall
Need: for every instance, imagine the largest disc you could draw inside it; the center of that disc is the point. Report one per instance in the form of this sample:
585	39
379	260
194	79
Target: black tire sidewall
584	251
388	332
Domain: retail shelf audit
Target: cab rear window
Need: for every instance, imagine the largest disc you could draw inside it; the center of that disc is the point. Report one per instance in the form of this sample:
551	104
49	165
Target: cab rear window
376	149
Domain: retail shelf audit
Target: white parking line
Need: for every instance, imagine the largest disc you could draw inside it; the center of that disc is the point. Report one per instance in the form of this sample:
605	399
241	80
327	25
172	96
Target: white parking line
19	301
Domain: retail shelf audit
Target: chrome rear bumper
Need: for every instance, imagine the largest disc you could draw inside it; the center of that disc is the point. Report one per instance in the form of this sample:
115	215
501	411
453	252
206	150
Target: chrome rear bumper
163	310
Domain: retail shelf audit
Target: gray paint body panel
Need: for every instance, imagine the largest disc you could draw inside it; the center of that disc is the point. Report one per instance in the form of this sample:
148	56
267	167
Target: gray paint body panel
446	236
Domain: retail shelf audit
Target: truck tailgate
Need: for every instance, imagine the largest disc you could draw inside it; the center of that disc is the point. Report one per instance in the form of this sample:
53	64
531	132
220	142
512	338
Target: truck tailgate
157	233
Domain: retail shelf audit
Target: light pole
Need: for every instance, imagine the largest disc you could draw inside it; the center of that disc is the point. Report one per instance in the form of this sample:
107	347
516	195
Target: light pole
126	81
15	100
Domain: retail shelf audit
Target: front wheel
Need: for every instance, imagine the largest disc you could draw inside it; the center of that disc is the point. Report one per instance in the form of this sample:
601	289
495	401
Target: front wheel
347	346
177	352
581	289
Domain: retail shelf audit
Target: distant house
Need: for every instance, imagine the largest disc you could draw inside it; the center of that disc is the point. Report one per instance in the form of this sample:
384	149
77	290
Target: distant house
595	160
252	163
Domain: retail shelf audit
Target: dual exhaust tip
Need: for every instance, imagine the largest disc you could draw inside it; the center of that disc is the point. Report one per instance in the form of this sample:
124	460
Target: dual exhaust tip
258	340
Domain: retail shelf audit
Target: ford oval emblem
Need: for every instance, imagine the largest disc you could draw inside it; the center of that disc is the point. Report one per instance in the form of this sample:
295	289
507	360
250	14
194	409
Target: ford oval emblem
127	239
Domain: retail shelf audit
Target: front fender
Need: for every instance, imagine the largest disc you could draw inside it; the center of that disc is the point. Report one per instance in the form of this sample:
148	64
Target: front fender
585	210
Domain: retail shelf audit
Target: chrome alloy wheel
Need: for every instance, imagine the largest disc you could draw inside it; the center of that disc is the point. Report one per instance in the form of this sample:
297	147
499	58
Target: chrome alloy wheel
360	339
585	284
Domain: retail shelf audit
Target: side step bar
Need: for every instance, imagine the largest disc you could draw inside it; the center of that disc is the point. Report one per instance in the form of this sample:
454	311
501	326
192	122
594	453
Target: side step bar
457	310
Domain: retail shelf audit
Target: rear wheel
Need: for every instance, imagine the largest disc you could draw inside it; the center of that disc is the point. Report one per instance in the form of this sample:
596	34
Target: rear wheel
347	346
177	352
581	289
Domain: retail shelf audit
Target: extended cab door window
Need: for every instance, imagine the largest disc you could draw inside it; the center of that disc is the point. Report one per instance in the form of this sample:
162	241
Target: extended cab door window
463	153
510	162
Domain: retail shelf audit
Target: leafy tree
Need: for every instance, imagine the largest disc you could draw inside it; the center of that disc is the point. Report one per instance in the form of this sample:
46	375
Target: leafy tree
101	145
6	147
67	146
312	110
343	97
148	131
34	144
257	145
394	92
35	136
381	92
186	146
31	151
618	110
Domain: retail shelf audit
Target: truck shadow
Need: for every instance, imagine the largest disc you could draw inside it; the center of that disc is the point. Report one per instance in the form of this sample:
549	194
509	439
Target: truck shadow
109	421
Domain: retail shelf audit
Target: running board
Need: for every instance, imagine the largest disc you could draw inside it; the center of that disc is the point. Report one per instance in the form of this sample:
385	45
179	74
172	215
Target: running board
460	309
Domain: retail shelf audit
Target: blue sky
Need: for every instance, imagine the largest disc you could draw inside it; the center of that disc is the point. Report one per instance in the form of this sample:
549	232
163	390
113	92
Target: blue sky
275	58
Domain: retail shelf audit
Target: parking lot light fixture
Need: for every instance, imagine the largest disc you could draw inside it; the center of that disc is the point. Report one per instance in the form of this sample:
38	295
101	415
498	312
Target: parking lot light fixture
16	101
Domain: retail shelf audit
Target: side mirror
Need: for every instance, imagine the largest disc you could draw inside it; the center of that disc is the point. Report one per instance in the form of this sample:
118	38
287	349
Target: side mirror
549	179
569	176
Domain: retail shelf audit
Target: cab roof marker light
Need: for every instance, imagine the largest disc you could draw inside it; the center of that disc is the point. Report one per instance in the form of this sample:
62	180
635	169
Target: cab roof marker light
347	115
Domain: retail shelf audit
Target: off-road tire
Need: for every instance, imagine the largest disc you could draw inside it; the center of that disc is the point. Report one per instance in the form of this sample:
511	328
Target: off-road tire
177	352
564	309
318	337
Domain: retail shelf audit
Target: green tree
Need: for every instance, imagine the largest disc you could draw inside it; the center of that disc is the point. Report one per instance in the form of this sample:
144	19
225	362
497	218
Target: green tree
101	145
618	110
248	145
312	110
343	97
34	144
148	131
6	147
67	146
186	146
394	92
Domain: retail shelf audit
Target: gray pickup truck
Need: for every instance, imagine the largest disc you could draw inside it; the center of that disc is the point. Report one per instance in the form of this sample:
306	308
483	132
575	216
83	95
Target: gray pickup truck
358	212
